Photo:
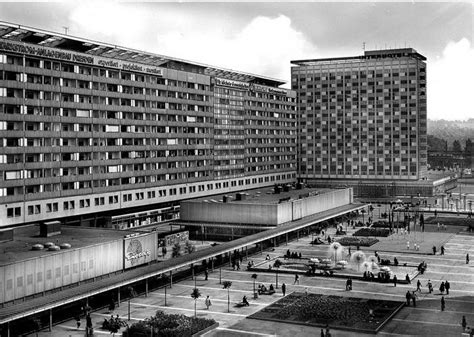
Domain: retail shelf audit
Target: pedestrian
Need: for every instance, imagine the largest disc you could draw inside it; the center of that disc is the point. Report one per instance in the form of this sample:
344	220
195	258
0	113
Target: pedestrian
438	226
447	286
208	302
467	258
413	298
394	280
349	284
463	323
430	287
297	279
407	278
111	305
408	297
322	333
418	286
78	321
442	250
349	251
408	244
441	288
89	330
206	274
443	303
283	289
434	250
328	333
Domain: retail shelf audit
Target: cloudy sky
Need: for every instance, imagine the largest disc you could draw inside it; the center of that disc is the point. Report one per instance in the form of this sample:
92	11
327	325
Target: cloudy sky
262	37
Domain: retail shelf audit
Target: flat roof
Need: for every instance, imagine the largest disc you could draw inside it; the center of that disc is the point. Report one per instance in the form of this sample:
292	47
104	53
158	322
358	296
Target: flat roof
368	54
263	195
43	38
26	236
435	176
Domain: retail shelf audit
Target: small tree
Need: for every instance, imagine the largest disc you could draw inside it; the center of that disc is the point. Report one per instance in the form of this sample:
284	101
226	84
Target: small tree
115	325
227	285
254	276
195	295
176	250
277	264
189	247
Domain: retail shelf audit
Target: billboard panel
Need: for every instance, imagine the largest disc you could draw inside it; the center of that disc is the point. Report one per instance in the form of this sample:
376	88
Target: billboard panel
139	249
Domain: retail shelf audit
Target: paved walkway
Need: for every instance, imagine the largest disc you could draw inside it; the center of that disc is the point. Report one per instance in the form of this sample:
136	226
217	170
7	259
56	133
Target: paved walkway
84	290
424	320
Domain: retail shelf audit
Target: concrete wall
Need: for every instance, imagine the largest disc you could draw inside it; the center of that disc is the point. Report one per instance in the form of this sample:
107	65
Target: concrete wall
320	203
265	214
57	269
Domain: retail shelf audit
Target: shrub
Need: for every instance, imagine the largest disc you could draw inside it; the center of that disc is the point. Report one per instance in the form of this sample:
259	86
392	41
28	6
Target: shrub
372	232
356	241
174	325
380	224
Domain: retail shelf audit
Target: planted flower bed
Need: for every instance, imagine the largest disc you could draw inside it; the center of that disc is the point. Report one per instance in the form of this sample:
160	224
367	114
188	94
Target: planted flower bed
356	241
347	313
372	232
169	325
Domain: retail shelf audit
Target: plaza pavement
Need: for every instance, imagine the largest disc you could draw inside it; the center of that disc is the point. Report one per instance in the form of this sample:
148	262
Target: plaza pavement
425	320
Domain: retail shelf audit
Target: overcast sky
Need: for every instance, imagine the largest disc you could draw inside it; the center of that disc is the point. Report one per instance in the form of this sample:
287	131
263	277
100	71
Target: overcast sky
262	37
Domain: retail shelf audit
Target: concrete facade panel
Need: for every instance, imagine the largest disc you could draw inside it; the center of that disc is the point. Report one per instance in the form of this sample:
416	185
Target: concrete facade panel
230	213
30	272
9	282
39	275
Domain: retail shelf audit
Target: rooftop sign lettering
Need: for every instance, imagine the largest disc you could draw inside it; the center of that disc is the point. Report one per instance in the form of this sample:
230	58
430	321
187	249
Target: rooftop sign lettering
231	83
128	66
22	48
270	90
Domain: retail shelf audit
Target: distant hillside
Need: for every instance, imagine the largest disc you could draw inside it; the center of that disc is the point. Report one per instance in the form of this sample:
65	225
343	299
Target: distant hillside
452	130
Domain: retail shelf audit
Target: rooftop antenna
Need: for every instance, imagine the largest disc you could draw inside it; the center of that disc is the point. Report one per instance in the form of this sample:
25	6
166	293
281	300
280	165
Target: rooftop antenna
65	30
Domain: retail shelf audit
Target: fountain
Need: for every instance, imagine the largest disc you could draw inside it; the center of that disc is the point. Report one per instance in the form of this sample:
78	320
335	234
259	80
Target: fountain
374	262
337	248
358	258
